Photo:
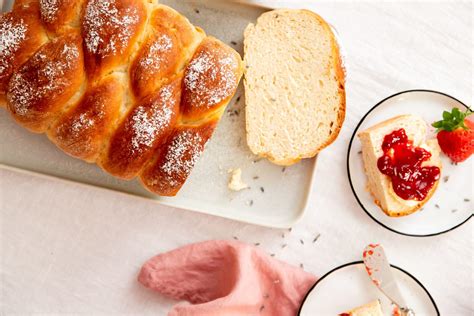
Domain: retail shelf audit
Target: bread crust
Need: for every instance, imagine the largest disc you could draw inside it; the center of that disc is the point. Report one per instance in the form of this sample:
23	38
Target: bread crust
106	82
382	124
170	43
143	129
39	89
407	211
176	158
210	79
58	19
341	80
81	131
26	35
110	29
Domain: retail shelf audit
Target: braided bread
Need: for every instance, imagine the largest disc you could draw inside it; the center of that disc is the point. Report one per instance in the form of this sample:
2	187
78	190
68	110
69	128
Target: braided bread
130	85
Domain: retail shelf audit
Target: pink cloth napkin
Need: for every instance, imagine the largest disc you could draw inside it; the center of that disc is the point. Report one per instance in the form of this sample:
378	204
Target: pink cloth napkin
226	278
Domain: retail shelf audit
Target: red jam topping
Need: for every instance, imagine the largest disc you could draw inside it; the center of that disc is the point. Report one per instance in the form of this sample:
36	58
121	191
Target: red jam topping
402	162
396	311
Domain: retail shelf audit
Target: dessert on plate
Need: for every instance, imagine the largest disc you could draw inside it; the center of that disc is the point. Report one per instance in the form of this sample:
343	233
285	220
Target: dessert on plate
402	167
369	309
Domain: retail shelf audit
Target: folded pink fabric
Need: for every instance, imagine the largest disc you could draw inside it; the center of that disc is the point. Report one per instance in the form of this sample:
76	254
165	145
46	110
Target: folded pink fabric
226	278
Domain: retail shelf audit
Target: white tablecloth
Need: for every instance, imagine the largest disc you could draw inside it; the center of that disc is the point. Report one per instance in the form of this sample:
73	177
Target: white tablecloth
75	249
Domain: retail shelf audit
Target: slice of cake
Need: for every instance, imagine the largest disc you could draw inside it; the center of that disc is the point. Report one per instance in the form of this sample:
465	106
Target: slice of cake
403	169
369	309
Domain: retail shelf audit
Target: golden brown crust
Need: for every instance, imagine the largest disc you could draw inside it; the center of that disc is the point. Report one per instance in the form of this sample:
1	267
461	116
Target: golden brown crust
19	4
164	52
3	100
82	130
210	79
109	29
40	88
22	34
144	129
176	158
409	210
58	15
341	79
157	59
382	124
71	79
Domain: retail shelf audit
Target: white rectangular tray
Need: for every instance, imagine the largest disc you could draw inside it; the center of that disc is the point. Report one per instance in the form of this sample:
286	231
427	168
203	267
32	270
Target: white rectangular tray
277	196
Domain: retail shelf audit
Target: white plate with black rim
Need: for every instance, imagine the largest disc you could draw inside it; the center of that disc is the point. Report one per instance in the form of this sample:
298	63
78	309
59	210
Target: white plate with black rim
349	286
452	204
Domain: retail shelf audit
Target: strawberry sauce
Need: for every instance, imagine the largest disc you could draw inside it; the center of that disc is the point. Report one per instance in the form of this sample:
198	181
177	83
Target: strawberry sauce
402	163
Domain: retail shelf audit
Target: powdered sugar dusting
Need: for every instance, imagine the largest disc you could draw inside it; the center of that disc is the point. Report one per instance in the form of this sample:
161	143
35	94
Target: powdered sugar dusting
154	56
49	10
147	125
165	95
50	78
81	123
72	133
12	34
108	29
78	129
210	79
70	53
176	164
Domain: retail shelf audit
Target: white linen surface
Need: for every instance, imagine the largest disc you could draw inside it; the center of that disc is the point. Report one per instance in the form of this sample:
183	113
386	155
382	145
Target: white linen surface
76	249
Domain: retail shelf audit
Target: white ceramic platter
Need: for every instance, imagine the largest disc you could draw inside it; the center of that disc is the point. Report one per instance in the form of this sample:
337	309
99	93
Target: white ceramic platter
452	203
349	286
277	196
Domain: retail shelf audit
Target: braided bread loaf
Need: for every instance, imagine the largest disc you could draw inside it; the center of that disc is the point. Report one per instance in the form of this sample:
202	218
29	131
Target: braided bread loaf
128	84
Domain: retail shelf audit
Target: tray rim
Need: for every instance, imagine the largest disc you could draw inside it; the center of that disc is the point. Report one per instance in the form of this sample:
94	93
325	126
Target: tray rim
288	224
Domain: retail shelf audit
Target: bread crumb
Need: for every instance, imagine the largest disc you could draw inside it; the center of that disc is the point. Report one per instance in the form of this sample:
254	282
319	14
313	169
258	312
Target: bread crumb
235	180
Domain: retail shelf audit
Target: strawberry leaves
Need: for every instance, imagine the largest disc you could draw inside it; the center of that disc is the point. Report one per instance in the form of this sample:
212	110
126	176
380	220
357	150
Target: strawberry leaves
452	120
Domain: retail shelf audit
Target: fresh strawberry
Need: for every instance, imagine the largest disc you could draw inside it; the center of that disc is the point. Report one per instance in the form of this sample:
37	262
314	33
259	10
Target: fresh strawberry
456	135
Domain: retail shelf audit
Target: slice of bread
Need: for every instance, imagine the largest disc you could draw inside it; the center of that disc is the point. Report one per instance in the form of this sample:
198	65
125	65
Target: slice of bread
369	309
294	85
380	185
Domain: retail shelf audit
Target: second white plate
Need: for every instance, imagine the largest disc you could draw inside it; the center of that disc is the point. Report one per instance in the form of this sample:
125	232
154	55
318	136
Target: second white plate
349	286
452	204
